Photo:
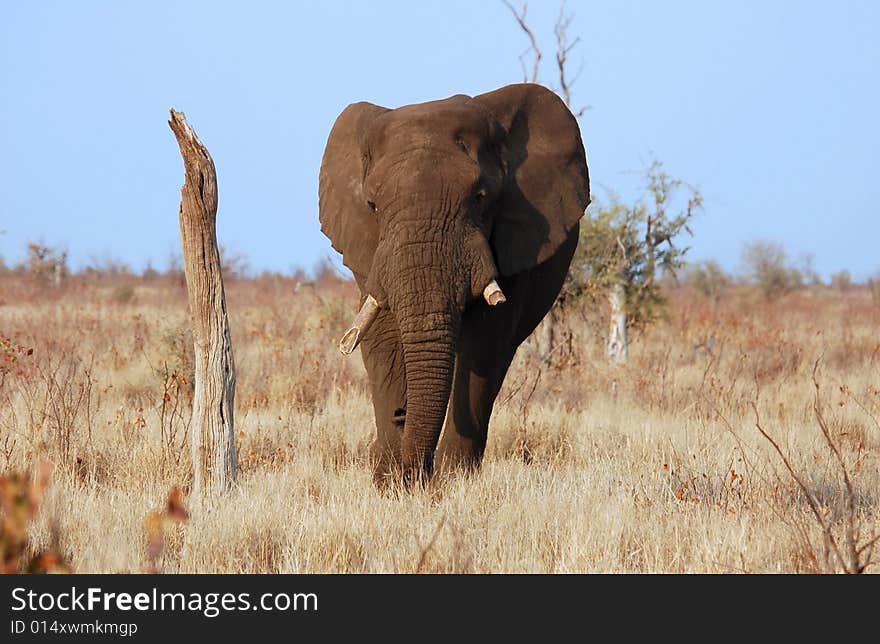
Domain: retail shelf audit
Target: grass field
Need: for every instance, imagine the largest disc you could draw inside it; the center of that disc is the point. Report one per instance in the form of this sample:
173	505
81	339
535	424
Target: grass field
657	466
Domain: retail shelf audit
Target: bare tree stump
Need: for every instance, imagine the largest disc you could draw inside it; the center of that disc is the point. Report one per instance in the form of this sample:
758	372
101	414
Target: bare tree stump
213	432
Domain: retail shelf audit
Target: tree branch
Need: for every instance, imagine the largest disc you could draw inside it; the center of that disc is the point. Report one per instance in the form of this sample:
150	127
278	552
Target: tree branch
563	22
521	19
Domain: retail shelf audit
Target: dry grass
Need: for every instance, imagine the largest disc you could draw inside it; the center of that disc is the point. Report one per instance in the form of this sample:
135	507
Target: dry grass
654	467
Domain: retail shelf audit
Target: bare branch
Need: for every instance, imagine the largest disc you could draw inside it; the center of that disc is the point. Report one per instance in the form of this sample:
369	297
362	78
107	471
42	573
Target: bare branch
849	394
852	528
853	555
563	48
521	19
522	65
812	502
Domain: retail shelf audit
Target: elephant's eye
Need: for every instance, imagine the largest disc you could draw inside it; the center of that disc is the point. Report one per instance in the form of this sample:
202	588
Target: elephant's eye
479	195
371	205
460	143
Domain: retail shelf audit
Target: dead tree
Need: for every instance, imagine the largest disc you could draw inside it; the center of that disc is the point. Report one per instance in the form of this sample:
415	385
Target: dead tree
213	435
618	347
618	343
546	331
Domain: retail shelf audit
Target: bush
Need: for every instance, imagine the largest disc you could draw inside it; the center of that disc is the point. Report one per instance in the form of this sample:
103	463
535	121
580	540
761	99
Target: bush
123	294
874	285
47	265
708	278
841	281
767	265
635	245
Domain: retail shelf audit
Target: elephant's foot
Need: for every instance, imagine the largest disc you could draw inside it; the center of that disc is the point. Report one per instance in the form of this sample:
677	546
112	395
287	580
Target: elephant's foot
391	474
417	462
415	476
458	454
397	464
385	452
386	467
392	477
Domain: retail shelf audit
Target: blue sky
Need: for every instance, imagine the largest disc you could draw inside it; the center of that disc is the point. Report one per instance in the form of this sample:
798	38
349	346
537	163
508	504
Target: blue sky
768	107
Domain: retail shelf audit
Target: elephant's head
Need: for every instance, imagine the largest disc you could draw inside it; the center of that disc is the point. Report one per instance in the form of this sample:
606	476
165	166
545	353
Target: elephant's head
430	203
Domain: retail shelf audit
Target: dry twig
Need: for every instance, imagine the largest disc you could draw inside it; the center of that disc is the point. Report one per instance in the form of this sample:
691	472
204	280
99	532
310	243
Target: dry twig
536	52
852	554
563	22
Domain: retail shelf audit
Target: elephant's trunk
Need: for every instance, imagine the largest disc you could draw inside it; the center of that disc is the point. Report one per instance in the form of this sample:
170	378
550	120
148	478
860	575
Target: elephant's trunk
427	302
428	341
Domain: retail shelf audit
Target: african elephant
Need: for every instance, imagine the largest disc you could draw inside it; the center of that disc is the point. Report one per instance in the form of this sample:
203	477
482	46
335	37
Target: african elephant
458	219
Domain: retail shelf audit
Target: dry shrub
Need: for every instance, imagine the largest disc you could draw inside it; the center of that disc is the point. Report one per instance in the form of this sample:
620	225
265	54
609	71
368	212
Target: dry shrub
164	532
51	400
847	541
20	499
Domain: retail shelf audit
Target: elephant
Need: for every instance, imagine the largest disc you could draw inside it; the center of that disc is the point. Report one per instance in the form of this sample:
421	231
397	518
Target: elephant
458	219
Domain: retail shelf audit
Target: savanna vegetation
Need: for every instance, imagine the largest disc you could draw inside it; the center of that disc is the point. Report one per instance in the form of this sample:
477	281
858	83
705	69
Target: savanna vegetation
742	434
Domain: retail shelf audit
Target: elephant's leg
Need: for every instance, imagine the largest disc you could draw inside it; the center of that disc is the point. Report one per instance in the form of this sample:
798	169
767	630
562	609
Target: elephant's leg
489	340
383	359
485	350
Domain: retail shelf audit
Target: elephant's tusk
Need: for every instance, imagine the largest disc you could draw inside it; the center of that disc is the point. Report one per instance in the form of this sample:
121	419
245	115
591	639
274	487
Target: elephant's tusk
493	294
365	317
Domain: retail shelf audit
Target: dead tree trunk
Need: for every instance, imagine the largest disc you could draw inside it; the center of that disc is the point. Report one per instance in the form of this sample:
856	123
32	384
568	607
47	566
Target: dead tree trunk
546	335
213	435
617	344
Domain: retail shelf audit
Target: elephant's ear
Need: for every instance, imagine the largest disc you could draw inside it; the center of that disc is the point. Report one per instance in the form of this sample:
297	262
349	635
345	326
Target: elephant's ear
547	187
345	217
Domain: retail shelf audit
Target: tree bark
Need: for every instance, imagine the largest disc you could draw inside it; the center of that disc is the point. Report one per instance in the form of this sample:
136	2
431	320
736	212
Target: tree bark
546	335
213	434
617	344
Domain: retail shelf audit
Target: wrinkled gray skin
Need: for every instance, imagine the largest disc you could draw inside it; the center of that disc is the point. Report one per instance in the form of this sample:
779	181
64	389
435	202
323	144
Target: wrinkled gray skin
428	203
